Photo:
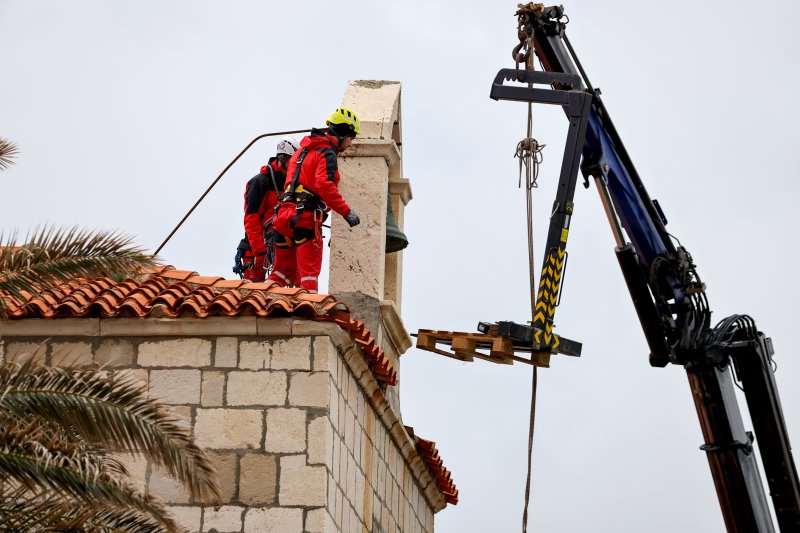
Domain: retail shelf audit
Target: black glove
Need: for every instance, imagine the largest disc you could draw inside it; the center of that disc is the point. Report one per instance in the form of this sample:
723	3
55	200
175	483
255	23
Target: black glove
352	219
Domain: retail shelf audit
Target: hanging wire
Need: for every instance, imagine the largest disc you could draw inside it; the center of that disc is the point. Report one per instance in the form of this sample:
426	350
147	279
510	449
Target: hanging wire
529	153
532	157
235	159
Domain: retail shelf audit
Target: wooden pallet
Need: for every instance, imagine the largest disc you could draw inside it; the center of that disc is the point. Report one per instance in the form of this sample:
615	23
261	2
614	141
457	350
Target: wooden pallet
464	347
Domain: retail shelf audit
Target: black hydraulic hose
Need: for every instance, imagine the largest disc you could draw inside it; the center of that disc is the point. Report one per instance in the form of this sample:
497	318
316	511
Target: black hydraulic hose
578	63
235	159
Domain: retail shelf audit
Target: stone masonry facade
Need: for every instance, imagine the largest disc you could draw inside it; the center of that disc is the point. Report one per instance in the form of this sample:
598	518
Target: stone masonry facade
301	433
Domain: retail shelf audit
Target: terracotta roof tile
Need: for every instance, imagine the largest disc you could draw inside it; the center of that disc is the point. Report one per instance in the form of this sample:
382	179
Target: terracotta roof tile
163	292
309	297
229	283
158	269
261	286
181	275
427	450
286	291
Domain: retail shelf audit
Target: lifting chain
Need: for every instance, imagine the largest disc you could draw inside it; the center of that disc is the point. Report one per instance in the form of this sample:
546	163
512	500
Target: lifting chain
523	52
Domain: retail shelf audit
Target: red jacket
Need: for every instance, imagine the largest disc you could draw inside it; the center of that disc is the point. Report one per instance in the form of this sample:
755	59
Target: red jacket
319	174
260	197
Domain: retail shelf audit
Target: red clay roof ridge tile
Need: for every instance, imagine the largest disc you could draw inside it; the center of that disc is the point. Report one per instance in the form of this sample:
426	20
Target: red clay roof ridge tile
430	455
163	291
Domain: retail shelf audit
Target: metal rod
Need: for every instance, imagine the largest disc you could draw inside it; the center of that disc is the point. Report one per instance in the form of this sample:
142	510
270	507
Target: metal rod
605	199
577	63
235	159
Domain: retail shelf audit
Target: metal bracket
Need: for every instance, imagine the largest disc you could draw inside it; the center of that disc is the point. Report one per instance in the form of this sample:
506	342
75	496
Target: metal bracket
525	334
567	89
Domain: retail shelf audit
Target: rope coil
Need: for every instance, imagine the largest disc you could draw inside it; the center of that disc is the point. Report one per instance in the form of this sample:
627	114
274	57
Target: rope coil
529	153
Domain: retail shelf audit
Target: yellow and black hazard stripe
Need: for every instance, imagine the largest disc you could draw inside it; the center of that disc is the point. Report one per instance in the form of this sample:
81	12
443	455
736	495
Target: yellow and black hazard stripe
547	296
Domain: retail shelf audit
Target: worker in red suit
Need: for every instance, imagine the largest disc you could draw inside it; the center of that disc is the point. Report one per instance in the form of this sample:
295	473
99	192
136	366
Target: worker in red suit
260	198
311	191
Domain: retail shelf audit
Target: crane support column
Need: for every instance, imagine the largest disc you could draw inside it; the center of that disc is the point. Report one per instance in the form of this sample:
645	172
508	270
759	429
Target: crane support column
729	450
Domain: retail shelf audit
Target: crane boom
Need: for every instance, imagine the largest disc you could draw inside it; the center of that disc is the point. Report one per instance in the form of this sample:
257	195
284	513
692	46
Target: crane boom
666	290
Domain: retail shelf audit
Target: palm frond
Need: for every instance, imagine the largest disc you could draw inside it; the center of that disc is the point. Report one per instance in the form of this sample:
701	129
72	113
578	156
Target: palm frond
112	411
31	430
50	516
51	255
50	513
8	151
127	520
42	472
34	498
36	514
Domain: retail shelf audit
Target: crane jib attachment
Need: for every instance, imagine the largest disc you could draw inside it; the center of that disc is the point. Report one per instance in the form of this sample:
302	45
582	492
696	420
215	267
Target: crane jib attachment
665	287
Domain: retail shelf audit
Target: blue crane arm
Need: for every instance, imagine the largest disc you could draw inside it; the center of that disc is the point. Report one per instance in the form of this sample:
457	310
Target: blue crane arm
666	290
641	227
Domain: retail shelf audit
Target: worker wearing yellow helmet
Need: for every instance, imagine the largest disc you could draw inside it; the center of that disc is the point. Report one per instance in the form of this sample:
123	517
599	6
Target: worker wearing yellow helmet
312	192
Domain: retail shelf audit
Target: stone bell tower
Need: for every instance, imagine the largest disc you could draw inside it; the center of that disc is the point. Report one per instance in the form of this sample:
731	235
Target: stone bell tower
362	273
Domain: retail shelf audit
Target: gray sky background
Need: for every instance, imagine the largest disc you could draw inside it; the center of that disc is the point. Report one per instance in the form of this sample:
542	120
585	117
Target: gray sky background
125	112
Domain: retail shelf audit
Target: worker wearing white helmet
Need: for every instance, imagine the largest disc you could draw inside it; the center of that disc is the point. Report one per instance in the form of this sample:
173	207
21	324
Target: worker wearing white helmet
260	196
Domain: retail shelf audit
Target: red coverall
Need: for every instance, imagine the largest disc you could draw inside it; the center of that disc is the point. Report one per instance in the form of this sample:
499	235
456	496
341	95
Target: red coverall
260	198
298	240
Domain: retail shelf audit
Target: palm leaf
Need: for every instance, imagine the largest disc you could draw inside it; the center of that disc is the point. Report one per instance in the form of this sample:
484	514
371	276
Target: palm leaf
71	491
52	255
8	151
111	411
128	520
23	432
67	516
42	472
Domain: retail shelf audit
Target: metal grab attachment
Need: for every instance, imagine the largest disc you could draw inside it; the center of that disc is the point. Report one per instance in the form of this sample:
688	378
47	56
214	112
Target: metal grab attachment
507	342
566	90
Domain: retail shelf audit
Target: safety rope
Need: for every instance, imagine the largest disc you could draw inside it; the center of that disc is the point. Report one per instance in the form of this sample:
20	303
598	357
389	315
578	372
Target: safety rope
529	153
235	159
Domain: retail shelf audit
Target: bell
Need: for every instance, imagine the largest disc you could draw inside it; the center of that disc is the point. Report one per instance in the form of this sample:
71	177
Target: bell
396	240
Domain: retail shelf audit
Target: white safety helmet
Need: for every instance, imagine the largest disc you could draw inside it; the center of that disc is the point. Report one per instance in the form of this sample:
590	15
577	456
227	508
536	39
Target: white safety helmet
288	146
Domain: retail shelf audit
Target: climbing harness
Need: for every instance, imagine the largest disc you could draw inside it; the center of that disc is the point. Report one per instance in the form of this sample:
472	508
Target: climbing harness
299	195
269	240
304	200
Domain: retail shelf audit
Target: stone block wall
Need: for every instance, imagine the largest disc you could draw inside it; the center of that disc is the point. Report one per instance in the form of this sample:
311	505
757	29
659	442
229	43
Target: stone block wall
370	485
301	435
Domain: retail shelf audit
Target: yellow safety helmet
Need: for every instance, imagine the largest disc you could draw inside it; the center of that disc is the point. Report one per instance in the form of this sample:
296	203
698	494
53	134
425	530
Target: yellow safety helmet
343	120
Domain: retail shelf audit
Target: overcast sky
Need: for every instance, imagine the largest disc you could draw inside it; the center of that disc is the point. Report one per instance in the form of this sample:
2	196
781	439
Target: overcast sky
124	113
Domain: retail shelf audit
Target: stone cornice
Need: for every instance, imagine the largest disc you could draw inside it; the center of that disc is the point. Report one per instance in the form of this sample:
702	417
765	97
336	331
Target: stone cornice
385	148
401	187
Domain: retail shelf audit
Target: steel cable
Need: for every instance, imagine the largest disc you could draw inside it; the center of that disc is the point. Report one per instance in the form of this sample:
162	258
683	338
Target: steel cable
529	152
235	159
